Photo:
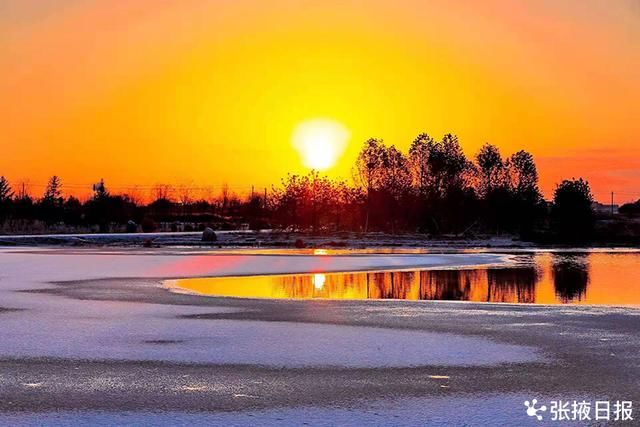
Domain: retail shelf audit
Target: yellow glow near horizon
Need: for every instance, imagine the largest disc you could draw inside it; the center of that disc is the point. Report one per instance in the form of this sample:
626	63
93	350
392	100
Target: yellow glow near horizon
320	142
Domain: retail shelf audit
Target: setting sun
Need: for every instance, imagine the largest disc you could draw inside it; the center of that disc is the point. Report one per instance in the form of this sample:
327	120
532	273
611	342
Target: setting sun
320	142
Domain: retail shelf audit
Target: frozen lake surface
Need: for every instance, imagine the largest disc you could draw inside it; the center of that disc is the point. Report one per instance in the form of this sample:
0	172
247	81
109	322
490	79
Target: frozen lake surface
92	336
64	328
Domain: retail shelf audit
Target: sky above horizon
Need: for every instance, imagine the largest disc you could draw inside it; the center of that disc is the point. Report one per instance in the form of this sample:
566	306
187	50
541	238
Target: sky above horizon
201	93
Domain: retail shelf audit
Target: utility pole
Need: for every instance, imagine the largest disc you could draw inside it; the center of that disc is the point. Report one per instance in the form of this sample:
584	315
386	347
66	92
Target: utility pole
612	203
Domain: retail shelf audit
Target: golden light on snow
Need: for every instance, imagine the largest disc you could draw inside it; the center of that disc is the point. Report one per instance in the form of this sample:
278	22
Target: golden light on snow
320	142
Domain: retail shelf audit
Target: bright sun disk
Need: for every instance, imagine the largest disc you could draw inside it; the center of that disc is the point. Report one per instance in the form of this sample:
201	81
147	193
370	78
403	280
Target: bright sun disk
320	142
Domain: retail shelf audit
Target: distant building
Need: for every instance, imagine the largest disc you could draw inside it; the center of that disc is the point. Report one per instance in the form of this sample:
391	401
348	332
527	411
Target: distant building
604	209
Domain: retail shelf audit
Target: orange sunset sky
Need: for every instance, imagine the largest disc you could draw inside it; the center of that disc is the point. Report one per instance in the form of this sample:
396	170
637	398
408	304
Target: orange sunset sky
205	92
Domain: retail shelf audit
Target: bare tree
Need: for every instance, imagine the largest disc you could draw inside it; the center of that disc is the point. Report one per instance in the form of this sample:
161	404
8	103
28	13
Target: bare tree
449	167
134	195
369	167
162	191
491	168
224	195
395	181
185	194
523	173
395	176
419	158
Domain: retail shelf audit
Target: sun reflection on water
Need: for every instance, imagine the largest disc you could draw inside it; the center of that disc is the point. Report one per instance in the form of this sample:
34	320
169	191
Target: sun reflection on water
318	280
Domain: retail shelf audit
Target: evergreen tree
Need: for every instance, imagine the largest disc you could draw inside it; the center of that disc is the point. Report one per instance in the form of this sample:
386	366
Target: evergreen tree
53	192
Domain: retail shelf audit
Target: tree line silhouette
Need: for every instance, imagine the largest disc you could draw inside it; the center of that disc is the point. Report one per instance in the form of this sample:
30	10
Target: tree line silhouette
434	188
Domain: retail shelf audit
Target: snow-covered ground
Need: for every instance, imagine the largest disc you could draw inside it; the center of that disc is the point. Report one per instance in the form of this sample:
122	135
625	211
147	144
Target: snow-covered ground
438	412
261	239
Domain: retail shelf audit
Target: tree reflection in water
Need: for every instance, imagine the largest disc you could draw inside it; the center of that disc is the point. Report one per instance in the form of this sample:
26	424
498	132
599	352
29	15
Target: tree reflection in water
539	278
494	285
512	285
453	285
396	285
570	276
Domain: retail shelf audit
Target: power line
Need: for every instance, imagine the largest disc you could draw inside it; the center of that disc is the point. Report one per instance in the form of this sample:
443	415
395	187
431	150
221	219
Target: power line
142	187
